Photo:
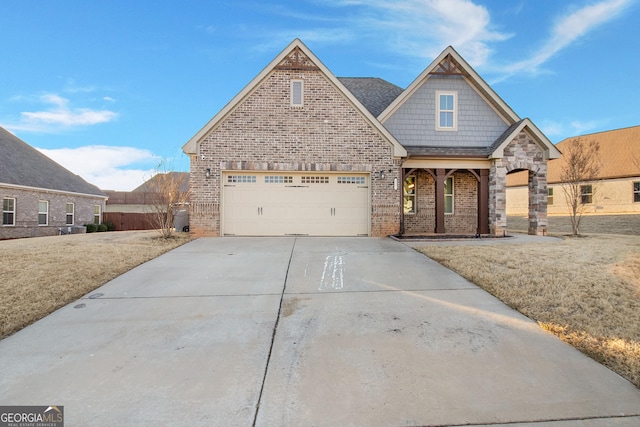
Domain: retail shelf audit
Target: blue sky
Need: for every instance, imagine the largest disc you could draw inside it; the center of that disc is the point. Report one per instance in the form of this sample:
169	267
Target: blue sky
109	89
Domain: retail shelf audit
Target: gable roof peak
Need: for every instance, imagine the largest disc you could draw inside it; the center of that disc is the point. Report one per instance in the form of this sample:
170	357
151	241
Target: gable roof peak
451	63
295	56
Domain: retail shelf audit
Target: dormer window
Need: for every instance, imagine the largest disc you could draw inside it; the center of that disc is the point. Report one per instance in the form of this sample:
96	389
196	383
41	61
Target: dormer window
446	111
297	93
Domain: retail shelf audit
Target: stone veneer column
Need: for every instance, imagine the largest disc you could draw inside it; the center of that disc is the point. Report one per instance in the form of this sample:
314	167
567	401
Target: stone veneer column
497	199
538	201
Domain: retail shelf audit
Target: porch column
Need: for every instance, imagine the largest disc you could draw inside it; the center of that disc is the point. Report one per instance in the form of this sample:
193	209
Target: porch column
441	175
483	202
401	187
538	201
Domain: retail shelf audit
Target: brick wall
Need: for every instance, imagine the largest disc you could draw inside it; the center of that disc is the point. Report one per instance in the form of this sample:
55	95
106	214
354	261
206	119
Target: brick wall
264	132
27	212
464	219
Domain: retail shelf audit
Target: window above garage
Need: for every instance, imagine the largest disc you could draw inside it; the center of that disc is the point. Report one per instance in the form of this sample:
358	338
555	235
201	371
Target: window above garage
297	93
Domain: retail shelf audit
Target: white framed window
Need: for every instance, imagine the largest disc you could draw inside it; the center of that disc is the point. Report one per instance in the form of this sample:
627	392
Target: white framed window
43	212
297	93
448	195
97	214
636	191
8	211
70	214
586	194
446	111
409	189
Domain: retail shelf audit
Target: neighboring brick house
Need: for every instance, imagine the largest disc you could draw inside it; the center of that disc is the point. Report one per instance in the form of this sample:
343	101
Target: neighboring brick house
615	191
301	152
40	197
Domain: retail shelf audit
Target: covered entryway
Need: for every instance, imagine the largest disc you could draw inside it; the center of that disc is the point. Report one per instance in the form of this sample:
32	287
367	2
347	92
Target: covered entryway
287	203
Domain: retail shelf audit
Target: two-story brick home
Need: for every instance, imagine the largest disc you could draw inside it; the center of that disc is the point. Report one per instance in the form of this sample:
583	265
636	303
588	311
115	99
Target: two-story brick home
301	152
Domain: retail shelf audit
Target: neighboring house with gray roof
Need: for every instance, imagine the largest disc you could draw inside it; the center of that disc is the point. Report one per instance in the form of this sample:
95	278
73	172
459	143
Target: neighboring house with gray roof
300	151
40	197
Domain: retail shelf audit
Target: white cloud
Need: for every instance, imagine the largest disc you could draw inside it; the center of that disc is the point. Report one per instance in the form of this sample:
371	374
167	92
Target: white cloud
566	31
105	166
60	115
424	28
566	129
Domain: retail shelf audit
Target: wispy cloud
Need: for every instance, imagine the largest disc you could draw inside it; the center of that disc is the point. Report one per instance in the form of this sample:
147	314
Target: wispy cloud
108	167
566	31
419	28
576	127
59	115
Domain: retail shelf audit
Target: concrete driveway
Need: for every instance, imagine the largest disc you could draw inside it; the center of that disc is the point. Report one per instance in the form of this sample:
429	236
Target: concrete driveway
303	332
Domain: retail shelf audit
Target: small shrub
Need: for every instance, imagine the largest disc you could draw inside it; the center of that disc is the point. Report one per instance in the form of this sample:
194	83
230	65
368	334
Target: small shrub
102	228
110	226
91	228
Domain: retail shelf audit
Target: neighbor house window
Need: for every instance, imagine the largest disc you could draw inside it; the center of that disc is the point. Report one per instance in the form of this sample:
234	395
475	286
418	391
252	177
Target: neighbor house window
549	196
448	196
8	211
70	213
446	114
297	93
97	214
586	194
636	191
410	195
43	212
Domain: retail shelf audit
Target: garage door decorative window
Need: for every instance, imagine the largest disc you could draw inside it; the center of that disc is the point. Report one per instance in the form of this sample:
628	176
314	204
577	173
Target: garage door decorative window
241	178
278	179
351	180
315	179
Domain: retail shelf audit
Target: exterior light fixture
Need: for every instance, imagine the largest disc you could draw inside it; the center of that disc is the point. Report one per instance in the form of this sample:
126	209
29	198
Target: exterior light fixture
381	174
207	173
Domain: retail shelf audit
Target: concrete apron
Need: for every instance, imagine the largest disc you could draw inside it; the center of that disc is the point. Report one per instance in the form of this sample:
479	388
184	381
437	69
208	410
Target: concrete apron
303	331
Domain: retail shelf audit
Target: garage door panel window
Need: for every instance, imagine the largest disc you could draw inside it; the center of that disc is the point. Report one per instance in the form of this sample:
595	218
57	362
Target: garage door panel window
278	179
241	178
351	180
315	179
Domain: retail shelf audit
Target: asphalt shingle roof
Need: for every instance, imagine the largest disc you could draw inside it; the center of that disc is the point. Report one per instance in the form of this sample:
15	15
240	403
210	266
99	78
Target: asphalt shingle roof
374	93
21	164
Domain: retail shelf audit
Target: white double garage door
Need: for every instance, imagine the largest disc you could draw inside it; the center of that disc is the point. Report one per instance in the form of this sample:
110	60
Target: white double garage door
284	204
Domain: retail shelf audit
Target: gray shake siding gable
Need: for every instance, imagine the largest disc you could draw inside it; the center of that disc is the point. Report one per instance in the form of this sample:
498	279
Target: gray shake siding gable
414	123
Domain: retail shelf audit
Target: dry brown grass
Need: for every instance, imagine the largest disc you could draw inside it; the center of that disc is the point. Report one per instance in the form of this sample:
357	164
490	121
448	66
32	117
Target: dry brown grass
586	290
41	274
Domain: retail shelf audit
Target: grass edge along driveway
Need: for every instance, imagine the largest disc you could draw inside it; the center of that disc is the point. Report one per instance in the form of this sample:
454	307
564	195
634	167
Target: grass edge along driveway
585	290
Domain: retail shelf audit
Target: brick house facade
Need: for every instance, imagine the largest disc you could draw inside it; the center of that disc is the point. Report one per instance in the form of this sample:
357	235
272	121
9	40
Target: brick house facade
40	197
325	140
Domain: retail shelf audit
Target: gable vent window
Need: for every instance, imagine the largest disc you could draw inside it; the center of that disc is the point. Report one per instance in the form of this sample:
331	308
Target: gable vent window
446	111
297	93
